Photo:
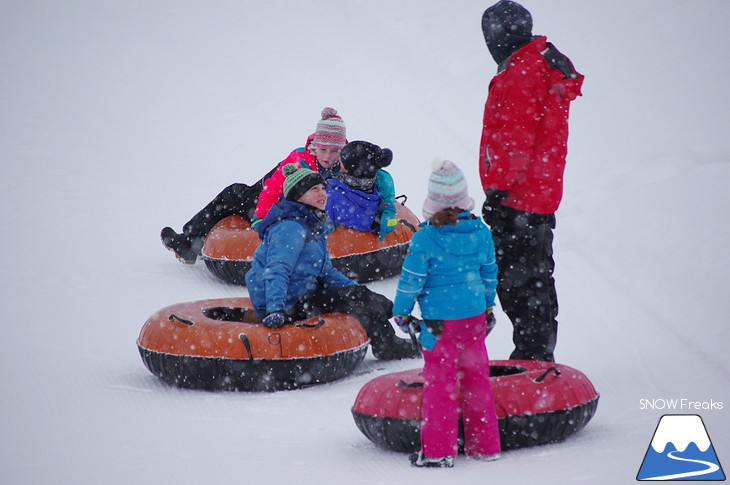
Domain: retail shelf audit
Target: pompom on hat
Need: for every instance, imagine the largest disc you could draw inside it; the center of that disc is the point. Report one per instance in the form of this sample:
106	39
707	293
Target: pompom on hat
446	189
330	132
299	180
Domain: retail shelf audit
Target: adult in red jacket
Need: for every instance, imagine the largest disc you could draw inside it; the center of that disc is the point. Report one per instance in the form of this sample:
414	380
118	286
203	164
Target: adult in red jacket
521	161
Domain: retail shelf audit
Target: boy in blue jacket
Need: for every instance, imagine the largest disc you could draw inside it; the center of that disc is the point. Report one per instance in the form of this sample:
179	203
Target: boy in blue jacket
292	278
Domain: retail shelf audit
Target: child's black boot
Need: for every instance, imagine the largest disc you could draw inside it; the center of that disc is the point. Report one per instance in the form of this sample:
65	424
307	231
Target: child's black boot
180	244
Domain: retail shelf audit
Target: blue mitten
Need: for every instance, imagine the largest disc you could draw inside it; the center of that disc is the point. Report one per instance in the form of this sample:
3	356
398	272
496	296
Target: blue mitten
426	338
275	319
387	226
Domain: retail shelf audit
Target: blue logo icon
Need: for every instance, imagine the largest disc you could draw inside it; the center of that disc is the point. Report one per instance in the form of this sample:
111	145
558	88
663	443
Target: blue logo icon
681	450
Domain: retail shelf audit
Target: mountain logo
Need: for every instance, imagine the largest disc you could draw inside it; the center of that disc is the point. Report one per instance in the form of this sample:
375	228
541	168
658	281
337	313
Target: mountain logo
680	450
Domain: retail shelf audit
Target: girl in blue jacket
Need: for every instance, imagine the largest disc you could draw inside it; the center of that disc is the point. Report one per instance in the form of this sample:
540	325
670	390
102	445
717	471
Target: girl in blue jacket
292	278
451	272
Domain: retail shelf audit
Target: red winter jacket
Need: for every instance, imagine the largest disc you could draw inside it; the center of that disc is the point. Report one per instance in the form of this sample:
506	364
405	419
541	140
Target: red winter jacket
274	185
525	133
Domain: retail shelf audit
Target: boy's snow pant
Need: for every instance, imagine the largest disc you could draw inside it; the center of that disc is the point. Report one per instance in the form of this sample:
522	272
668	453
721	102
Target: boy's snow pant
235	199
523	242
371	309
456	375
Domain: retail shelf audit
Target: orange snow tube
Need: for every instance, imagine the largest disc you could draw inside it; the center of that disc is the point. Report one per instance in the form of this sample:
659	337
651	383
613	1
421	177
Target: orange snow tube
220	344
228	249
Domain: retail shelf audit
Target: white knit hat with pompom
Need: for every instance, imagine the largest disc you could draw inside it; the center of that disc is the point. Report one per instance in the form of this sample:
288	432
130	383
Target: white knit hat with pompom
446	189
330	132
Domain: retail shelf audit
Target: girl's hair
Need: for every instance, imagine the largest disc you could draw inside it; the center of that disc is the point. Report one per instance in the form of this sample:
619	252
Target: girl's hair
446	217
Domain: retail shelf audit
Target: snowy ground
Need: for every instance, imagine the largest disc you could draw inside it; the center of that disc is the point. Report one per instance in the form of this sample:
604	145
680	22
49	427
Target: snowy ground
118	118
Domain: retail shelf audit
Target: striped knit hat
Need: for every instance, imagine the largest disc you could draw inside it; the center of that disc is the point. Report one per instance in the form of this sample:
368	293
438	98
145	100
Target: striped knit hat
446	189
299	180
330	132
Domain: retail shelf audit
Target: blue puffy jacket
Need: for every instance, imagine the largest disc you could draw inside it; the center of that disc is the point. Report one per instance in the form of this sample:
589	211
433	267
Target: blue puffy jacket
292	259
450	270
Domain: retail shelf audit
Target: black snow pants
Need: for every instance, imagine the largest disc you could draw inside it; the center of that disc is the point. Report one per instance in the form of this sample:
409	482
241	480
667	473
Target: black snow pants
523	243
236	199
371	309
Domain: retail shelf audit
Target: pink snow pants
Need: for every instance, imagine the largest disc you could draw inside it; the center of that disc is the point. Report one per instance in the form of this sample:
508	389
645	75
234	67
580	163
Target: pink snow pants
456	375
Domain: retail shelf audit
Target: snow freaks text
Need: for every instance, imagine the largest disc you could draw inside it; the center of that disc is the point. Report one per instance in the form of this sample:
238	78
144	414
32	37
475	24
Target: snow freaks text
679	405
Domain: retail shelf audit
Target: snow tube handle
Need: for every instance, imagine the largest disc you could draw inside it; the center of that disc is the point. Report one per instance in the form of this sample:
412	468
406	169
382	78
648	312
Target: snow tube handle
544	375
402	383
311	325
173	317
407	224
247	344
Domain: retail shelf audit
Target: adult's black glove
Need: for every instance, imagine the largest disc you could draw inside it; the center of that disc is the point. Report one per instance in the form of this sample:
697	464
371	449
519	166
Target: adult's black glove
493	205
495	198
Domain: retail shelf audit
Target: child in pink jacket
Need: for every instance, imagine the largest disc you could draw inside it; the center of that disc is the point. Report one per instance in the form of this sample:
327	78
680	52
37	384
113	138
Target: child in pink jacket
321	154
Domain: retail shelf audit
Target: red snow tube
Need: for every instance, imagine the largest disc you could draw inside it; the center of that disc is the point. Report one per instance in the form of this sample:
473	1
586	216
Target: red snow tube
228	249
220	344
537	403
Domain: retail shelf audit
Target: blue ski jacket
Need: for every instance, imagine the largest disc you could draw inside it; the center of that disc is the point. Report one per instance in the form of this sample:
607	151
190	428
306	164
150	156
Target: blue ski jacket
450	271
292	259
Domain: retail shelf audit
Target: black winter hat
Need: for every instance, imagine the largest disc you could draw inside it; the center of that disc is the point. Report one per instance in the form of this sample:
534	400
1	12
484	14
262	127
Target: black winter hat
363	159
506	26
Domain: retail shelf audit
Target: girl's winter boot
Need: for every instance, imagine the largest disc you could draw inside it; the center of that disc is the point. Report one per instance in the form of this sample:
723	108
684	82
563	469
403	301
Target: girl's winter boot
418	460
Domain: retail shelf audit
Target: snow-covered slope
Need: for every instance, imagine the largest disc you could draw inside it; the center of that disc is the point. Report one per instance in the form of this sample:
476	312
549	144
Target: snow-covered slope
118	118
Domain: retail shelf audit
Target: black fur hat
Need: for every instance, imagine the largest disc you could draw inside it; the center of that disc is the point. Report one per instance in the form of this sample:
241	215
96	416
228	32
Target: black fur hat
363	159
